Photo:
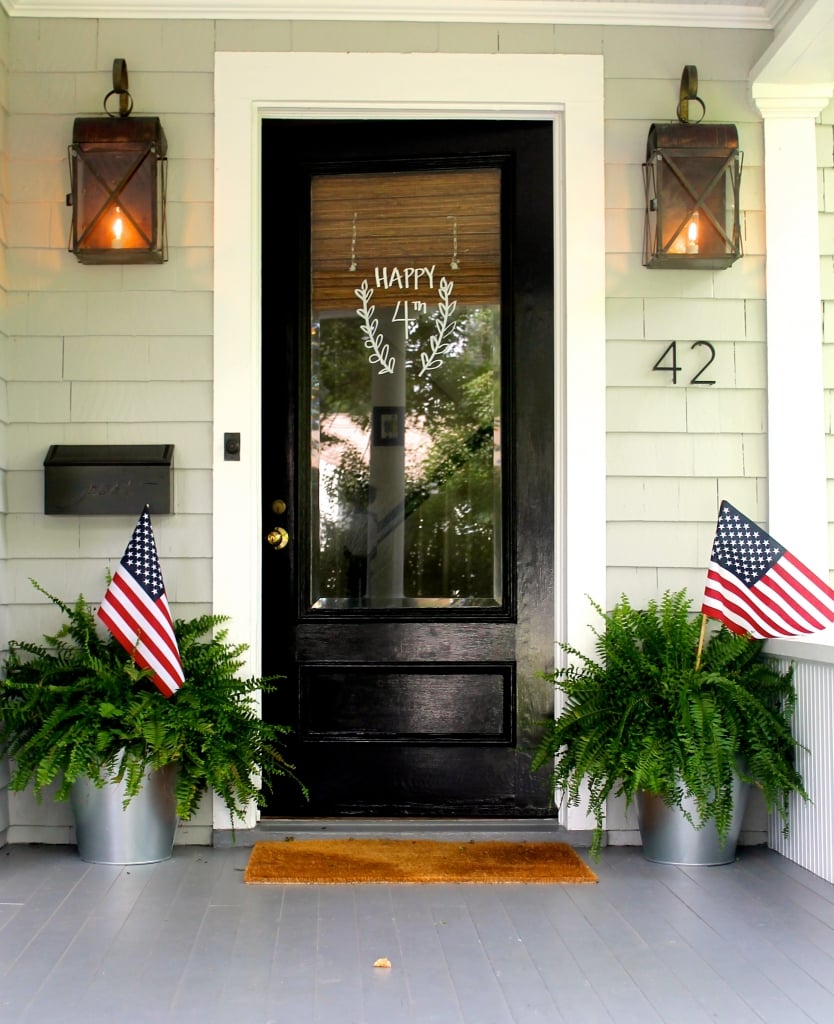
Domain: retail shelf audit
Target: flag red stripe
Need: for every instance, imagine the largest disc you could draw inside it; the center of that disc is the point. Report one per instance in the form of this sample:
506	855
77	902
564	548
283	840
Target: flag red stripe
143	627
786	598
162	676
165	676
766	617
738	616
738	619
724	613
803	580
771	594
719	605
731	623
136	610
811	578
166	683
155	615
777	612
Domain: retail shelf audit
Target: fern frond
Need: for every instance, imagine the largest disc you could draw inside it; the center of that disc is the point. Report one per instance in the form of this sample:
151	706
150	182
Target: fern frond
77	705
638	716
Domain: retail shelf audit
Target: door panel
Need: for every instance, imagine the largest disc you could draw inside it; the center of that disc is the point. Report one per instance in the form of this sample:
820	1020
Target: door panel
408	454
433	705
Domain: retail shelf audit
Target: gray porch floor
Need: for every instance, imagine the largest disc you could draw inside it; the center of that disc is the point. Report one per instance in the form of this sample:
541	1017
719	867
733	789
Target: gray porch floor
186	940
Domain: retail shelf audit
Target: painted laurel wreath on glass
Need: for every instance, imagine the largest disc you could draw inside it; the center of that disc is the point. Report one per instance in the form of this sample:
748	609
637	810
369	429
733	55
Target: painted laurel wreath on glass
439	343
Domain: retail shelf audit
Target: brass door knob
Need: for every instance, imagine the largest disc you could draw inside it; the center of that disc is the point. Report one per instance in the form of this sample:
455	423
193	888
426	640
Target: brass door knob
278	537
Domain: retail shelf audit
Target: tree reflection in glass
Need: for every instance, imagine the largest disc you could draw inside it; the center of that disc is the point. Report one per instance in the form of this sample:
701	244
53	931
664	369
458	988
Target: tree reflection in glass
406	399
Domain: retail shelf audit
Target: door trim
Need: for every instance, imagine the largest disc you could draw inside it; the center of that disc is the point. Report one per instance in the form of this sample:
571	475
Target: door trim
567	89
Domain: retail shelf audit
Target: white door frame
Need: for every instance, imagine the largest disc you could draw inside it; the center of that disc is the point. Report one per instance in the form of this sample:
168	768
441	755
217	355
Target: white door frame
567	89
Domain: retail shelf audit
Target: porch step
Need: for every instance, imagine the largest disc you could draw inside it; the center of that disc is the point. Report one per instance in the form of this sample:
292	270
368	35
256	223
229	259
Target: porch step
518	830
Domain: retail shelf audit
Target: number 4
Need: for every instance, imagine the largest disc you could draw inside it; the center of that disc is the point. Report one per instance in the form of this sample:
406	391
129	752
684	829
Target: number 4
401	315
674	369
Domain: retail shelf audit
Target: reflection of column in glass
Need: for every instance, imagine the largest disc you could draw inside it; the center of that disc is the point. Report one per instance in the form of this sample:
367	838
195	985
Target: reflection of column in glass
386	500
497	508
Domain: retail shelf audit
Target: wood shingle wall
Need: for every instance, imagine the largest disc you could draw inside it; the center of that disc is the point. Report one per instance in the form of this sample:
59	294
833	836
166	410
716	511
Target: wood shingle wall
124	354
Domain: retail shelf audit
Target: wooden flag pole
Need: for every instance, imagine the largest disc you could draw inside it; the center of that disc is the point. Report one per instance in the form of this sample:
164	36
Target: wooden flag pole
701	642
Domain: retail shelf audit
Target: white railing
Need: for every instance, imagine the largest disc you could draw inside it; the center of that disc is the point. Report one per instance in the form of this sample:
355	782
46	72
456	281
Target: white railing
810	842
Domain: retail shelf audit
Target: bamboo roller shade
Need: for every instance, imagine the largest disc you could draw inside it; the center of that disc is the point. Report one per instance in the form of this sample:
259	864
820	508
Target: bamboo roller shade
406	219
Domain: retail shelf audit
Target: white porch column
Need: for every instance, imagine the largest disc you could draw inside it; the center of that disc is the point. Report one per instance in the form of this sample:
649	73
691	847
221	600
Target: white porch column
797	502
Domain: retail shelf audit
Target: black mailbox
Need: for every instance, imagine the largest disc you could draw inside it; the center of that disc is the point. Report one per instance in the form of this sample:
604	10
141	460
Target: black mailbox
107	479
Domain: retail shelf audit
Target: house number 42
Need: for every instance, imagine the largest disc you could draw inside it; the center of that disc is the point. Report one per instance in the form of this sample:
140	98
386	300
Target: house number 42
668	362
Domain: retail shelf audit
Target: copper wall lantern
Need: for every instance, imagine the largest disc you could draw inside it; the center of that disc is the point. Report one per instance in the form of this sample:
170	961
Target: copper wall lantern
118	176
692	177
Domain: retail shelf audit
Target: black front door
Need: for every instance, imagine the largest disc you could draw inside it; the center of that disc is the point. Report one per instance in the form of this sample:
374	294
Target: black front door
408	443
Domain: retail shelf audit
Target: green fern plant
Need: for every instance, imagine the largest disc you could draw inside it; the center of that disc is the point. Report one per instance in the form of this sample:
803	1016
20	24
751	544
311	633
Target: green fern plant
77	705
639	715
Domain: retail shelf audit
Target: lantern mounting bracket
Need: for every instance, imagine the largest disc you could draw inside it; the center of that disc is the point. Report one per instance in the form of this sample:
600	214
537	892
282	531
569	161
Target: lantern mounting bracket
120	89
689	91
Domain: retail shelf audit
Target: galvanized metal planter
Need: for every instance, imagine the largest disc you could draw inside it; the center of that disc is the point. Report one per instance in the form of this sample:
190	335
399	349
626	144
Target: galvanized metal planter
141	833
669	838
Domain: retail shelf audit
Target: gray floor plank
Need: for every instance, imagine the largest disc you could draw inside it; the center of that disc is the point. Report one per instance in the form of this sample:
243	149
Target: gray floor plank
291	985
524	990
568	985
247	969
598	962
757	922
33	949
338	961
419	913
477	990
147	963
652	915
201	982
92	936
725	932
187	940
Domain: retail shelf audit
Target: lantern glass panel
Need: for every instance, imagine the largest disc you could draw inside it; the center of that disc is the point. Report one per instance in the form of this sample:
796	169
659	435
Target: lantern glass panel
110	216
714	214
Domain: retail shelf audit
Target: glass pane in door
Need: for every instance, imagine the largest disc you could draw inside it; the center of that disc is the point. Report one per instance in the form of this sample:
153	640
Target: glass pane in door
405	390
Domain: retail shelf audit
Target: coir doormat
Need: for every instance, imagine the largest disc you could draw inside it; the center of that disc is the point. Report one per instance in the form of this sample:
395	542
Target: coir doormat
414	862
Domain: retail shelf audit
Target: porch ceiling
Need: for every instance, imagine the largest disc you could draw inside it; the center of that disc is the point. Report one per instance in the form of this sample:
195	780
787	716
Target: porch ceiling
802	50
763	14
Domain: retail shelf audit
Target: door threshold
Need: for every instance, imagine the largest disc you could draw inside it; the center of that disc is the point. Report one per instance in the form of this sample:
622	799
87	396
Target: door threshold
511	829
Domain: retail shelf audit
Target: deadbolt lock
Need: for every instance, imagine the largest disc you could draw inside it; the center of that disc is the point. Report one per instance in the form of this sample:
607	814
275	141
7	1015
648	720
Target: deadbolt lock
279	506
278	537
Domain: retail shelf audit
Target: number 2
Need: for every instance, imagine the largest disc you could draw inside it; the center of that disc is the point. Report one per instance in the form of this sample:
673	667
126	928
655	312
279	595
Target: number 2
697	379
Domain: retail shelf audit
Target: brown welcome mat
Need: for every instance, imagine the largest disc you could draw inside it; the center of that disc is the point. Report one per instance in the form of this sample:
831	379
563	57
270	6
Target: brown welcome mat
413	861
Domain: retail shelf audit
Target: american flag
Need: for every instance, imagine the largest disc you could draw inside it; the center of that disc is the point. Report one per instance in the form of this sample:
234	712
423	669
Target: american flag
755	586
135	610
